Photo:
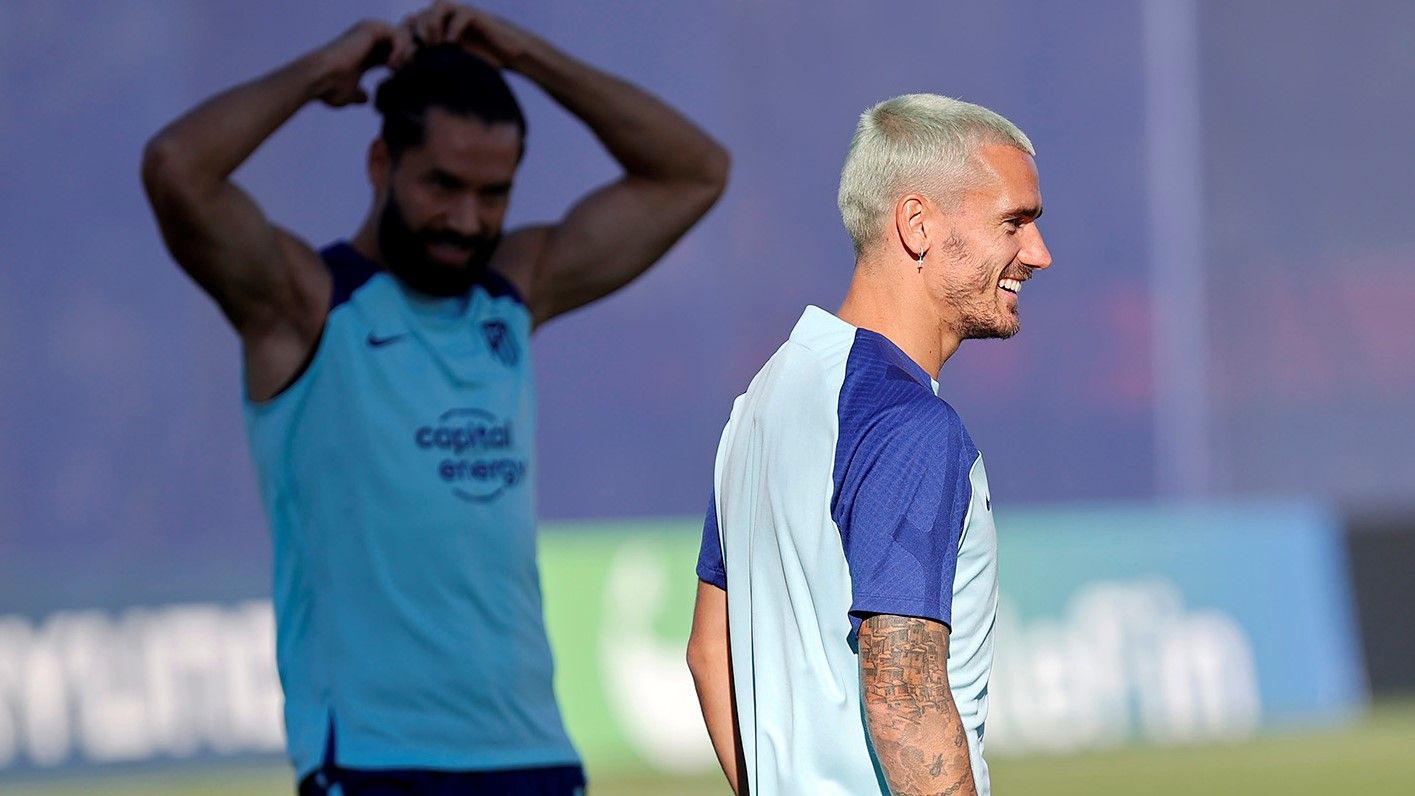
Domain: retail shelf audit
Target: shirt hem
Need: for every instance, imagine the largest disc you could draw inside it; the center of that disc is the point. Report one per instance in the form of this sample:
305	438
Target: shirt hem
536	758
714	576
902	606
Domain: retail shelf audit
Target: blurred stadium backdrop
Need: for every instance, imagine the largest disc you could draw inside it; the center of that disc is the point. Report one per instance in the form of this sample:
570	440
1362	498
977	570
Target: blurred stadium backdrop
1200	442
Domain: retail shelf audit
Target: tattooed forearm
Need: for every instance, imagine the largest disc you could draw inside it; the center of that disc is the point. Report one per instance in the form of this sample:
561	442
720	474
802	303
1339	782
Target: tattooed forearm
913	722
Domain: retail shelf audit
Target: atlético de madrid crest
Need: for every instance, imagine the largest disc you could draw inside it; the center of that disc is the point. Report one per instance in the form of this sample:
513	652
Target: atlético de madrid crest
501	342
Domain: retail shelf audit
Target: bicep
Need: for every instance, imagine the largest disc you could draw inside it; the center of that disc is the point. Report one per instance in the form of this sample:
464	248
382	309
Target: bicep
607	239
258	274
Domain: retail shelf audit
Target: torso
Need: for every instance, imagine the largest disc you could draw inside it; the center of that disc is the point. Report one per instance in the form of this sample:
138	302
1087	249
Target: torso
398	476
794	520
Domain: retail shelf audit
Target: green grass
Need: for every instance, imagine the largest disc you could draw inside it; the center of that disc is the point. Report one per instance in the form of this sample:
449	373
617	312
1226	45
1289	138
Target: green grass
1377	756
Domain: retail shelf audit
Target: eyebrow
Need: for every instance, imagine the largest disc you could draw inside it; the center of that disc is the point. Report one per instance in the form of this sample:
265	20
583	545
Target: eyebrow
1033	213
443	174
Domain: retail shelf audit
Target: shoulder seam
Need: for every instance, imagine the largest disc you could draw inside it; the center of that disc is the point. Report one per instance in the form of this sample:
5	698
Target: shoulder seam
348	271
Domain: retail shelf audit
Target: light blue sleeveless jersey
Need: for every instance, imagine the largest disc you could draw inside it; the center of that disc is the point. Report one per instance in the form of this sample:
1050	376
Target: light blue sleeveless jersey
397	474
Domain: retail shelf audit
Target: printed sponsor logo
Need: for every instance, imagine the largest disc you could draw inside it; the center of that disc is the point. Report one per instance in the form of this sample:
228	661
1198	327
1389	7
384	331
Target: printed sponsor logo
477	457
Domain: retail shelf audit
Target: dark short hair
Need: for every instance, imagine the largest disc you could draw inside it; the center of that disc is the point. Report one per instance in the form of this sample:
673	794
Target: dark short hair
448	77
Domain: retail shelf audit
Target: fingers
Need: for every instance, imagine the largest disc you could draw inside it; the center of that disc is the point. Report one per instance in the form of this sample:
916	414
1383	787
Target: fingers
377	31
377	55
458	24
469	28
368	44
429	26
404	46
446	23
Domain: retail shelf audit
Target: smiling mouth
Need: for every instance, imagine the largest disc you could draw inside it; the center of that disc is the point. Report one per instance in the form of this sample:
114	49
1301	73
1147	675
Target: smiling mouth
1013	286
449	252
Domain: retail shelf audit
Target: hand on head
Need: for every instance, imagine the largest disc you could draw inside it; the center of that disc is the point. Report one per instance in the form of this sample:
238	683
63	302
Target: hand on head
368	44
372	43
493	39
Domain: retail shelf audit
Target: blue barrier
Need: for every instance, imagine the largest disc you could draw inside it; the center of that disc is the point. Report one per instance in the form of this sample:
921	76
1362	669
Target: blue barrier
1171	624
1147	624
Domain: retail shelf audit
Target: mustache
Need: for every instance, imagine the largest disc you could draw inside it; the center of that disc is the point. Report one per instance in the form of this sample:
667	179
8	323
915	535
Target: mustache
454	239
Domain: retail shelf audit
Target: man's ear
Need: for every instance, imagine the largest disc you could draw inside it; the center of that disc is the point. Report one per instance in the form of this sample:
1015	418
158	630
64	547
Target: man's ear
380	165
909	223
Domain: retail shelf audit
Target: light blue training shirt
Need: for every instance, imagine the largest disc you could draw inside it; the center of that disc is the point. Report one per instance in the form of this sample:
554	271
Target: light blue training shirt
844	487
397	475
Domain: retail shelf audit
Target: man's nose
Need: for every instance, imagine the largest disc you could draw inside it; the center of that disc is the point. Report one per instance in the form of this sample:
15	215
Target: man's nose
464	217
1034	253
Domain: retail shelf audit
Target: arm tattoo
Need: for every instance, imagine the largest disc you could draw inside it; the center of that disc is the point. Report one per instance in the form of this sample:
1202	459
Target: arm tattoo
917	732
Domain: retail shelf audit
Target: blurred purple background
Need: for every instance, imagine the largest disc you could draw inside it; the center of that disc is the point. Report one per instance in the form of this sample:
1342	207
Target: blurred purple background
1228	197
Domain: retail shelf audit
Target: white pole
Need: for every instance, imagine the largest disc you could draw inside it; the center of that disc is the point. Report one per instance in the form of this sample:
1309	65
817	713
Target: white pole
1174	166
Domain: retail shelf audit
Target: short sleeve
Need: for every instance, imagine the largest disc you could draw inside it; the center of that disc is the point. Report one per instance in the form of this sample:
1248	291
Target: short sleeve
901	503
710	568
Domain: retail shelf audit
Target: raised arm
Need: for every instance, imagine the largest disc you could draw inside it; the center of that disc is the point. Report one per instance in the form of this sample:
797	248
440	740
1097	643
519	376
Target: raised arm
913	723
710	661
269	284
673	172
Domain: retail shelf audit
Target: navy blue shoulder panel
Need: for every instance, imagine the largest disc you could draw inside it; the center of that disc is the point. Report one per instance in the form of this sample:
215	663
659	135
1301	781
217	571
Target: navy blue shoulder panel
349	270
352	270
902	485
497	286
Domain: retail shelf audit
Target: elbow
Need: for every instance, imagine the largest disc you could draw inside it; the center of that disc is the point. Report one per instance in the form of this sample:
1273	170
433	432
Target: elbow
717	165
162	169
695	658
701	657
157	165
707	181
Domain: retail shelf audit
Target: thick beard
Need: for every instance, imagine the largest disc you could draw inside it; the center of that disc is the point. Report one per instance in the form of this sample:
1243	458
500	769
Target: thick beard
405	255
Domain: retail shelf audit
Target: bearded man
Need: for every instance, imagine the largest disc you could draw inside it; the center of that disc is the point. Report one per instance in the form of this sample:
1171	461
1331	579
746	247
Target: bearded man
388	389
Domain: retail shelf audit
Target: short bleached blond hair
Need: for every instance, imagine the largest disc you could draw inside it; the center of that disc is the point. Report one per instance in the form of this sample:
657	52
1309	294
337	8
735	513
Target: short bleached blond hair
920	143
